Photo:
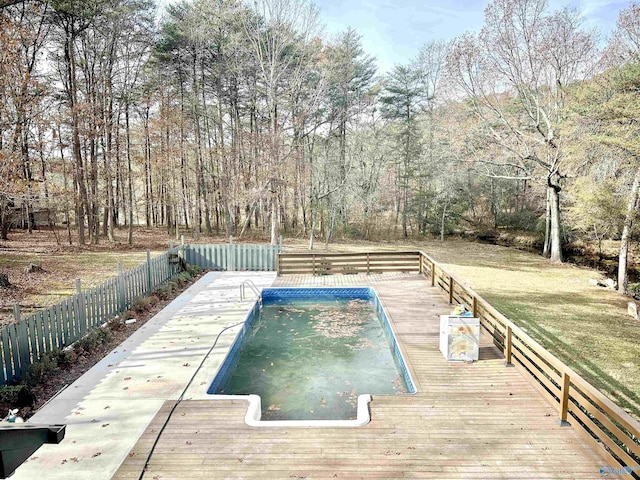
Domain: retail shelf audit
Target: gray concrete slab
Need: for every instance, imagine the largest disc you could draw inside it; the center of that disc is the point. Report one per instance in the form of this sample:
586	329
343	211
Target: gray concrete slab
109	407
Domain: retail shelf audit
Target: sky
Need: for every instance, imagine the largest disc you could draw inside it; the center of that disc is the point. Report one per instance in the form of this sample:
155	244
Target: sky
393	31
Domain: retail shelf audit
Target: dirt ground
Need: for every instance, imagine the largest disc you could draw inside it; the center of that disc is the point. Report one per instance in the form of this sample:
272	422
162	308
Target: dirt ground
61	264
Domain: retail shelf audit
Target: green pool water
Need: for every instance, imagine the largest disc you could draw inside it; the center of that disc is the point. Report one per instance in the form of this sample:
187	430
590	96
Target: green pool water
310	359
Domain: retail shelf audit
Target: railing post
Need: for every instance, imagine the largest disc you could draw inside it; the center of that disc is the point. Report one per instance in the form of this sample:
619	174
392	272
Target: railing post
508	338
475	307
230	255
278	269
564	400
149	282
450	289
419	263
368	263
314	263
120	286
81	305
433	274
182	240
16	312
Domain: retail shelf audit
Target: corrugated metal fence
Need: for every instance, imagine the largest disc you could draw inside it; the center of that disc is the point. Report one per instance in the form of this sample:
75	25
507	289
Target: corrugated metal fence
62	324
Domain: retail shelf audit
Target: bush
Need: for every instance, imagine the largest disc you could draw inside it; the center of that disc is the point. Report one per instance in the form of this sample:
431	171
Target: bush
525	220
182	278
634	288
141	304
64	358
164	291
194	270
354	232
17	395
95	338
38	371
115	324
9	393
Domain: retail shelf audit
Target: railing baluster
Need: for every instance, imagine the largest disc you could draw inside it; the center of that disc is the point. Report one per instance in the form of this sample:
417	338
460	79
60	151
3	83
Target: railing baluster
508	346
564	400
450	289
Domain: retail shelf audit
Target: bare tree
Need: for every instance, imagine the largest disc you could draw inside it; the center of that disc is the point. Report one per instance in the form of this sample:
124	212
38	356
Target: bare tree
516	73
278	31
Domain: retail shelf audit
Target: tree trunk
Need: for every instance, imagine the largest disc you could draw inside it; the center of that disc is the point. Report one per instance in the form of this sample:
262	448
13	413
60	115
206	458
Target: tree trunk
443	219
274	229
66	193
128	138
554	207
546	249
632	205
81	190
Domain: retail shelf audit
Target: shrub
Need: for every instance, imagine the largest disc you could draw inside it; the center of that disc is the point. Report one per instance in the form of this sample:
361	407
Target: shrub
38	371
141	304
17	395
95	338
194	270
64	358
163	291
115	324
182	277
9	393
634	288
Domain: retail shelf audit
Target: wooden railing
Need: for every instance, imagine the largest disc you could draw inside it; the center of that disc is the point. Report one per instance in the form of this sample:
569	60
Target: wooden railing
597	418
347	263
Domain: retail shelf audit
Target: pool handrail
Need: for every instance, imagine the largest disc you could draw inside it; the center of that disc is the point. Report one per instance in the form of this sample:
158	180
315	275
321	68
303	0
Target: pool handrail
253	287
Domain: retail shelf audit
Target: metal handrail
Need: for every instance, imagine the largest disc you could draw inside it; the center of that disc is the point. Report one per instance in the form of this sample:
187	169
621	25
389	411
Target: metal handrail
253	287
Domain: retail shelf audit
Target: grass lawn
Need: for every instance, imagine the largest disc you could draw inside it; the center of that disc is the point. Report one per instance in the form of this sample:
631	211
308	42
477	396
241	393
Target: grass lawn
586	327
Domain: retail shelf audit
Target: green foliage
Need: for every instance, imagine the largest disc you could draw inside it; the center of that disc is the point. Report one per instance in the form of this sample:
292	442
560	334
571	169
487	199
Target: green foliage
634	288
141	304
40	370
525	220
63	357
95	338
52	361
182	278
193	270
597	209
9	393
163	291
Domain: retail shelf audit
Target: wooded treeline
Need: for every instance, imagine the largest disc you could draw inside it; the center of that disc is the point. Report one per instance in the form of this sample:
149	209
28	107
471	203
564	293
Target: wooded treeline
225	116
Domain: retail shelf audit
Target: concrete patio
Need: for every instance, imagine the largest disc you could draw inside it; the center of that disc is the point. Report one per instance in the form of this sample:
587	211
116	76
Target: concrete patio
109	407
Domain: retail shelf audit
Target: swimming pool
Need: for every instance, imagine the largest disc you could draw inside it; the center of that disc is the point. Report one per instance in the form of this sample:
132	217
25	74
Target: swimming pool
314	355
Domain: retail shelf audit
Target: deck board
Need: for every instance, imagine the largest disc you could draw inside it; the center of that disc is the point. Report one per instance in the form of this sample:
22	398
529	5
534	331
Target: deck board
468	421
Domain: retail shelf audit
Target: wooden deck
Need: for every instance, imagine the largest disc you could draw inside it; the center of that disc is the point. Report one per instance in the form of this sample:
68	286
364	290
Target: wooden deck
473	421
